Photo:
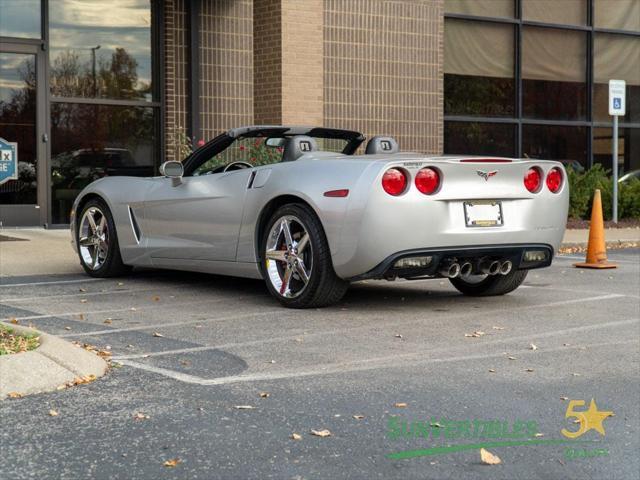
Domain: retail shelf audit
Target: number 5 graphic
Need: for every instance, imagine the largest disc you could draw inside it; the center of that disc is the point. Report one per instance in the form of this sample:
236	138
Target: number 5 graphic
579	417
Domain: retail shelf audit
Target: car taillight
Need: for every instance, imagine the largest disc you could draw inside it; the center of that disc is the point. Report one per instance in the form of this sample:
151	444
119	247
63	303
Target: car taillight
532	179
554	180
427	180
394	181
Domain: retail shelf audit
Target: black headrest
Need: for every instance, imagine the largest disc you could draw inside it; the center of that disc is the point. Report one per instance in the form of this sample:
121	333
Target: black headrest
382	144
298	146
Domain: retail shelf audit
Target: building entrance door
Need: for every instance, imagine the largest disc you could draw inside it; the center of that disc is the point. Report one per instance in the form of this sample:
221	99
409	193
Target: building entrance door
23	200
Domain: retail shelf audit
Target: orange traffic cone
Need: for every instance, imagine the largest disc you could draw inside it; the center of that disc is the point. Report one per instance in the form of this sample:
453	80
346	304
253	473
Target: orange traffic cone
596	249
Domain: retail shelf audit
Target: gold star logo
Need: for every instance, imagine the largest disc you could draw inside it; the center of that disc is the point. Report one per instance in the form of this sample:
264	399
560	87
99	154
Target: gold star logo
589	419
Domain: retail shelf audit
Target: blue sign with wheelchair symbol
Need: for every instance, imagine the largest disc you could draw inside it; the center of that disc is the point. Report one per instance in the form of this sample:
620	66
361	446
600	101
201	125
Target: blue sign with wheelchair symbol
8	161
617	102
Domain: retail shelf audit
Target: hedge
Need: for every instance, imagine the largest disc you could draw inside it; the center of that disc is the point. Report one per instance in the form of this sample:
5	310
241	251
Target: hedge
582	185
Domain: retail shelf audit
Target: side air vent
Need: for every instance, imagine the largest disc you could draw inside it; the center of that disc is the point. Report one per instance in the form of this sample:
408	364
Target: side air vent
135	226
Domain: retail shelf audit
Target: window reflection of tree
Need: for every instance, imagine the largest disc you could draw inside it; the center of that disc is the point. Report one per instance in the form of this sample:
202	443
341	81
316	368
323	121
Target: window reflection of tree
116	77
17	118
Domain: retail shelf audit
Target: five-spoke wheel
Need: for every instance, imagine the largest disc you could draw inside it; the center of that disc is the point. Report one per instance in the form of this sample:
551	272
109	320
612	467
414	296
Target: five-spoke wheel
296	260
97	241
93	238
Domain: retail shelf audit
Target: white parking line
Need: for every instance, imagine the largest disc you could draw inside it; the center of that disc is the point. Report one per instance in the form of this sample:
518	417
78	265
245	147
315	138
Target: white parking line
205	348
128	309
56	282
357	365
612	260
173	324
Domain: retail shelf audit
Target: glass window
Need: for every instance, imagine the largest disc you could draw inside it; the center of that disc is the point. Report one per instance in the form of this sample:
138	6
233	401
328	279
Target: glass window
554	73
617	14
550	142
479	69
93	141
101	49
479	138
18	124
571	12
628	148
20	18
484	8
616	57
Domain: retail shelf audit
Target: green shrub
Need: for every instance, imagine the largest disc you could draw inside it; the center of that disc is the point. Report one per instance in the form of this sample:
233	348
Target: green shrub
583	185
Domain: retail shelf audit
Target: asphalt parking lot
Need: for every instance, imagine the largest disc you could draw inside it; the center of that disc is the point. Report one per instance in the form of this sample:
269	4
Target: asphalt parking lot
190	349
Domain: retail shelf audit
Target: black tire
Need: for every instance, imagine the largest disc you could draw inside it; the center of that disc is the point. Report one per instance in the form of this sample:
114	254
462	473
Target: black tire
492	285
111	265
324	287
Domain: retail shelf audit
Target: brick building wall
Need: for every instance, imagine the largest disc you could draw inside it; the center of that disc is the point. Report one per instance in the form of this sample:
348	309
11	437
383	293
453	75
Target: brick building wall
370	65
383	69
226	65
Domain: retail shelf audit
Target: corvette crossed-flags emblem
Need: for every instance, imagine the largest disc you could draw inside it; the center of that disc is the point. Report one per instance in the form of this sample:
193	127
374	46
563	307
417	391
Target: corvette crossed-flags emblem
486	175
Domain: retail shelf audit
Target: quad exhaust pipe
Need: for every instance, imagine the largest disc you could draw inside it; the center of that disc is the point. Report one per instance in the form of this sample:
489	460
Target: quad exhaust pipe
450	268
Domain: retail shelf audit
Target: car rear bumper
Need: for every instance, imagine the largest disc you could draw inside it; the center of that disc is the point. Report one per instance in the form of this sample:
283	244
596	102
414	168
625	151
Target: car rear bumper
515	253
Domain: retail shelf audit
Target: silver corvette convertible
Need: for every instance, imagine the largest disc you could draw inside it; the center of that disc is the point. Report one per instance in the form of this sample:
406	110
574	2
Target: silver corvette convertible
298	208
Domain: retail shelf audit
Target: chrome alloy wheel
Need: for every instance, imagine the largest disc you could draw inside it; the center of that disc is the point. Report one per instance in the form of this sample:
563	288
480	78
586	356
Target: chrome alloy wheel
289	256
93	238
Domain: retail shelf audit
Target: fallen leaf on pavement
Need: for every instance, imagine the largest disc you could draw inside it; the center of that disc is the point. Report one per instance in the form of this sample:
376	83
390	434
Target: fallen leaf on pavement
244	407
120	284
14	321
67	328
489	458
400	405
141	416
564	398
156	334
539	435
264	394
532	347
296	436
511	358
358	417
321	433
53	413
108	321
435	425
497	328
475	334
14	395
82	289
398	336
84	300
491	370
172	463
529	370
156	298
575	374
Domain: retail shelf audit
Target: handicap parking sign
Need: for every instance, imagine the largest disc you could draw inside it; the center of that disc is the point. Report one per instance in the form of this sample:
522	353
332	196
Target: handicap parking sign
8	161
617	102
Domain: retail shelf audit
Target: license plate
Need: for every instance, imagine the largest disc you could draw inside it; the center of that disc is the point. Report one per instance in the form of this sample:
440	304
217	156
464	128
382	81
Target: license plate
485	213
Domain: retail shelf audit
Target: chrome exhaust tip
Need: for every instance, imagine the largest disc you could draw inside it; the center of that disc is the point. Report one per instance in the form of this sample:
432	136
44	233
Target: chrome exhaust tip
506	267
466	268
490	267
449	270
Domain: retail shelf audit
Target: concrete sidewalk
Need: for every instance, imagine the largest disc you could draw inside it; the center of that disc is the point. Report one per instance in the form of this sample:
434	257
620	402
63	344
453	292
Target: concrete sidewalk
36	251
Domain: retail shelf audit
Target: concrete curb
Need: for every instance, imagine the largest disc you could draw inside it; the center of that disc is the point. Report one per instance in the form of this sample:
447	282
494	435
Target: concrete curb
55	362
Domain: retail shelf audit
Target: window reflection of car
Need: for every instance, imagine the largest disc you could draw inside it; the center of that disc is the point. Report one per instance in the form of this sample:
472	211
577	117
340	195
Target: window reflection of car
573	164
107	161
627	177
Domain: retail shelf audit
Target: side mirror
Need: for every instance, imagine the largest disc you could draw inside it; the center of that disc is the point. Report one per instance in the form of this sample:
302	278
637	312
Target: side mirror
173	170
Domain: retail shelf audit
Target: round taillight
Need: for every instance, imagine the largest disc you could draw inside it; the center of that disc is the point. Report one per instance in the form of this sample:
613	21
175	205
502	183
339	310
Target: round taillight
554	180
427	180
532	179
394	181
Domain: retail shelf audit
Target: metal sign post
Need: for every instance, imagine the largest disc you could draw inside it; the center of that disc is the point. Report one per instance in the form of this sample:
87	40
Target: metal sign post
617	91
